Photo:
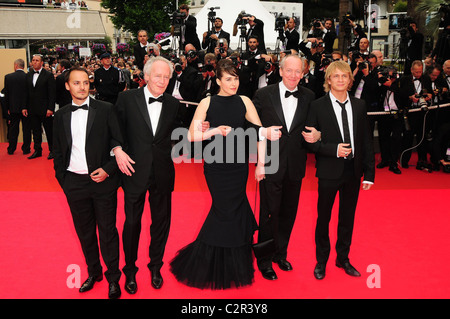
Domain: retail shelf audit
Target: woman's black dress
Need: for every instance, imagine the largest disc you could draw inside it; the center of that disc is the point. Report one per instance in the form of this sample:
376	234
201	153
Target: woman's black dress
221	256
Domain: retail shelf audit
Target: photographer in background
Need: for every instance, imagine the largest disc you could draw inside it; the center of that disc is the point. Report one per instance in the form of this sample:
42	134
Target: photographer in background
390	127
366	85
325	31
291	34
362	52
185	81
221	50
270	74
415	46
208	85
211	38
256	28
188	28
415	92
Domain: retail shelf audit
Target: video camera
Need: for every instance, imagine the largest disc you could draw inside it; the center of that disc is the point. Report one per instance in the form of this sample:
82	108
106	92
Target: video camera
240	21
212	14
347	27
177	21
280	22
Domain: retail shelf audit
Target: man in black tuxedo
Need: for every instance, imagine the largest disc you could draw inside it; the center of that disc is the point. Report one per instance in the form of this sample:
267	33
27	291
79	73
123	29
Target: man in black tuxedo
189	29
40	106
147	116
343	155
292	35
410	87
210	38
15	101
256	28
88	174
284	104
140	50
414	50
63	96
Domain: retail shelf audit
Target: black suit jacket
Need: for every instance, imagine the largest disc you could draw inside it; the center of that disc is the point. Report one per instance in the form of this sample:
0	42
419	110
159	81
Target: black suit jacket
41	97
139	55
293	38
407	88
152	153
102	129
209	44
190	35
190	82
329	166
292	151
15	91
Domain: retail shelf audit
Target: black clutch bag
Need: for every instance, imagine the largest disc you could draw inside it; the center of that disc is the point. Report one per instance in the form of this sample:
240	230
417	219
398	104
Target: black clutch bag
264	249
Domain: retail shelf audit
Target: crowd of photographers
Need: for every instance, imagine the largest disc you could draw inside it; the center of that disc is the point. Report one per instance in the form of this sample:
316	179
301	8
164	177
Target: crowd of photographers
404	105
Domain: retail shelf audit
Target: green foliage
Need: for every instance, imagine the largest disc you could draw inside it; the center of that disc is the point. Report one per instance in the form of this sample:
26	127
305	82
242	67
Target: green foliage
135	15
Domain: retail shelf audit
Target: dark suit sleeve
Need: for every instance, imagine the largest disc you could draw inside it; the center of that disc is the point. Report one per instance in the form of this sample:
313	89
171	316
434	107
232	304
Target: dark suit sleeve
58	160
116	139
324	146
368	152
51	92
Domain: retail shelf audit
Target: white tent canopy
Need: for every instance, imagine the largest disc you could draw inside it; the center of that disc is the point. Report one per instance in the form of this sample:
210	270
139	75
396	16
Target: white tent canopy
229	11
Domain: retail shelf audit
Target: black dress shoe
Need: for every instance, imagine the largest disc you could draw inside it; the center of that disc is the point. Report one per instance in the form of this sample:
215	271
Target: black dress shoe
89	283
319	271
35	155
26	152
157	280
284	264
114	290
395	170
130	284
10	152
269	273
50	156
349	269
382	165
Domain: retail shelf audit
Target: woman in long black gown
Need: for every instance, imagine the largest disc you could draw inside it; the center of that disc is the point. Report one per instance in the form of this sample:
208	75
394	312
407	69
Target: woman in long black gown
221	256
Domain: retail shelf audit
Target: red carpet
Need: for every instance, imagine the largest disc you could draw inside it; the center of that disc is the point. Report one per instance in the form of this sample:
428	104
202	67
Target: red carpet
401	227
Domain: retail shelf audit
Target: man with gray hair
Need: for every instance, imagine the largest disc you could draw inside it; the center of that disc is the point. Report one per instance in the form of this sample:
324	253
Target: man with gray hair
147	116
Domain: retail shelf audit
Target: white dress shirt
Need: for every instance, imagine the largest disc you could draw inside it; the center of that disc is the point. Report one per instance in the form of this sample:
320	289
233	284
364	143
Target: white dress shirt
78	127
154	109
289	105
36	75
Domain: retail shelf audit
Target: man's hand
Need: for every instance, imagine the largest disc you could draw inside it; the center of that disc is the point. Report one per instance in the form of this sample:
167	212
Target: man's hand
49	113
312	136
124	161
25	112
99	175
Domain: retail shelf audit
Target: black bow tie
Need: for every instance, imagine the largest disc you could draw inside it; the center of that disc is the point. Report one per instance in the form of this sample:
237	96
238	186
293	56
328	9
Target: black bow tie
73	108
159	99
416	79
35	72
289	93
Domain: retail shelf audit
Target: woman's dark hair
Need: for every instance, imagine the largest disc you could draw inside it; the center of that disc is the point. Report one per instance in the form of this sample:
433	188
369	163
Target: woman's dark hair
226	66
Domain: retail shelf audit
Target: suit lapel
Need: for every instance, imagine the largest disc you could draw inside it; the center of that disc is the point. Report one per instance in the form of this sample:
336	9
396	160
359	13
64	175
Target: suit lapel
333	116
67	118
276	102
142	105
91	116
165	112
298	110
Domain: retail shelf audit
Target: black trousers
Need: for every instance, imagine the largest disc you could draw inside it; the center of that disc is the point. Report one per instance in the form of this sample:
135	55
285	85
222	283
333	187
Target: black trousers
160	209
13	132
92	209
348	187
390	137
35	129
278	210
